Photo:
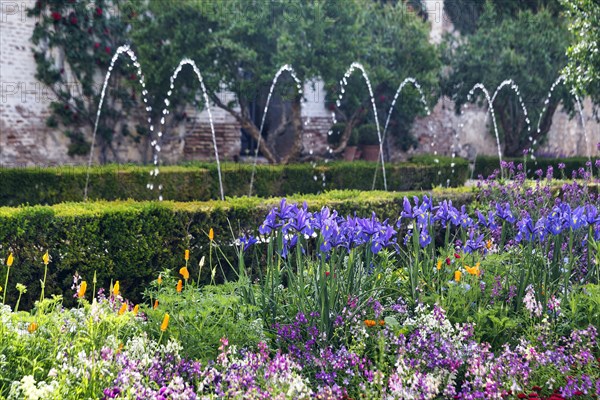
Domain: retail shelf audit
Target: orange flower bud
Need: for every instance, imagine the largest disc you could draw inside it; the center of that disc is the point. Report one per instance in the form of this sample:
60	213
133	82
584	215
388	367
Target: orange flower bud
159	280
185	273
123	309
457	275
155	304
116	288
179	286
32	327
136	309
46	258
381	322
82	289
165	323
10	260
187	255
211	234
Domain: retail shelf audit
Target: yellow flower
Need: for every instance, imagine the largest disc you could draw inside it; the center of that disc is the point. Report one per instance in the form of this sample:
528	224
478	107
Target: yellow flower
439	265
116	288
457	275
46	258
159	280
155	304
32	327
123	309
185	273
211	234
488	244
473	270
10	260
82	289
165	323
136	309
179	286
187	255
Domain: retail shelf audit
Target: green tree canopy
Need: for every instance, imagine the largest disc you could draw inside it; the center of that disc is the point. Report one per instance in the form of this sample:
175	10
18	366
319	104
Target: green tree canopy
530	50
465	14
239	45
583	69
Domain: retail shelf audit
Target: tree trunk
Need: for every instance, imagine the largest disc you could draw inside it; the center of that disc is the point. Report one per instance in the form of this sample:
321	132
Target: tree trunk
298	129
246	122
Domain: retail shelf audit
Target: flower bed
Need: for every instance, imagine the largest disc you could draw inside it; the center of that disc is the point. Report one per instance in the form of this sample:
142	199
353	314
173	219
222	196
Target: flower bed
497	301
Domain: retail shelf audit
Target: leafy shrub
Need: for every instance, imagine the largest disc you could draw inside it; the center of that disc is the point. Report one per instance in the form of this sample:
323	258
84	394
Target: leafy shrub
133	241
199	181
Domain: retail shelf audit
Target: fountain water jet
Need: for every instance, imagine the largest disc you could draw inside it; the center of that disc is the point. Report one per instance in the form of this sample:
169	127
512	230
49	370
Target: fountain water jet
510	83
125	49
155	144
289	69
354	66
481	87
414	82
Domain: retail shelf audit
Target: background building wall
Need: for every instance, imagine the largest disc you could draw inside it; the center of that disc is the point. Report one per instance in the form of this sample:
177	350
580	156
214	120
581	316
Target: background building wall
25	139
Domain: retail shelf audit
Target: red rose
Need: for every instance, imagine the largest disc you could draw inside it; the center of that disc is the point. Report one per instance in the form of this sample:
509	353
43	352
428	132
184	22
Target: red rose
327	273
98	11
56	16
96	45
456	255
522	396
447	260
107	49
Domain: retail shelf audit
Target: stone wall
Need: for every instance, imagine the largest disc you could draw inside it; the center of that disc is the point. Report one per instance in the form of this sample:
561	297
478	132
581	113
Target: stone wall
25	139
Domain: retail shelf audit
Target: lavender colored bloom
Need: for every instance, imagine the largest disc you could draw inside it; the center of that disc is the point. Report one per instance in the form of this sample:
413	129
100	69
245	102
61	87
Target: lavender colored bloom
504	212
474	243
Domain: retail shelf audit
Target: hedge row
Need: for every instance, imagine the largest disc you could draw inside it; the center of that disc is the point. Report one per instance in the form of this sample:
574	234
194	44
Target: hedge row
133	241
199	182
486	165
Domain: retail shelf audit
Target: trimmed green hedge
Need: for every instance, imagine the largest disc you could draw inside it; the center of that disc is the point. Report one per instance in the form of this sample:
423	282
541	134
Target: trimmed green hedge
133	241
199	182
485	165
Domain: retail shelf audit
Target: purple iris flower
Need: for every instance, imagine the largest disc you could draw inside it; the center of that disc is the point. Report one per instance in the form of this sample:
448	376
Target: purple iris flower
407	211
591	214
554	224
269	223
247	241
503	212
288	244
527	230
464	219
474	243
444	213
577	218
424	238
286	210
488	222
301	221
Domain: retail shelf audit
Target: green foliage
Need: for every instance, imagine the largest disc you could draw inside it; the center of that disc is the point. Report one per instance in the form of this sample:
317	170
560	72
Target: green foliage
74	43
200	317
465	14
398	48
132	242
367	135
583	69
530	50
200	181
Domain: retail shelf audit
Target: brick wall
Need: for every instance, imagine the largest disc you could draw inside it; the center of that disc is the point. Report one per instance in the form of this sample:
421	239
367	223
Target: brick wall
25	140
